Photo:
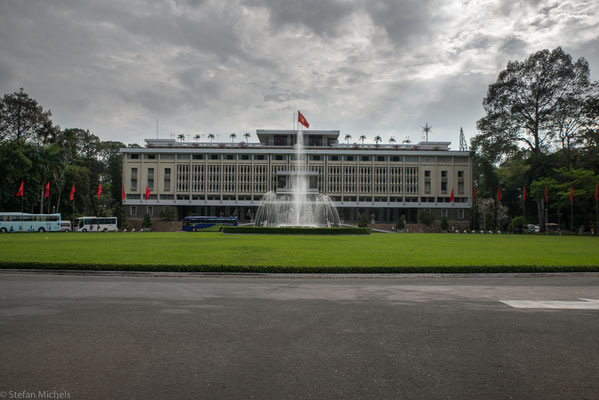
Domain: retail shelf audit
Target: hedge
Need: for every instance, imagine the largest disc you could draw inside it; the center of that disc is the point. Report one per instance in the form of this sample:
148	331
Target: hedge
291	269
296	230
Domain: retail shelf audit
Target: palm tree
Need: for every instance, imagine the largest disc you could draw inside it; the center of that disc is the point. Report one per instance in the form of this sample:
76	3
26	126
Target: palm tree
377	139
197	137
181	137
391	139
363	138
246	136
211	137
347	138
232	136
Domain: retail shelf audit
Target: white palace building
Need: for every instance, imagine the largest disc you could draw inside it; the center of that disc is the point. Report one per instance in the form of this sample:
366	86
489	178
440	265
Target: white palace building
388	180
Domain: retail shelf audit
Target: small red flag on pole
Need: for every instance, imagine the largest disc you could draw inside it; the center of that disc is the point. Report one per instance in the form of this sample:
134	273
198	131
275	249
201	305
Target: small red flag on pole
123	196
147	192
571	194
302	120
523	194
473	194
47	190
451	198
99	191
72	196
498	194
545	194
20	192
596	192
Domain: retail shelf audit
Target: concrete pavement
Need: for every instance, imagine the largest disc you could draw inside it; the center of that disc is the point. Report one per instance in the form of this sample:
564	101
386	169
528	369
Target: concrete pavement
206	336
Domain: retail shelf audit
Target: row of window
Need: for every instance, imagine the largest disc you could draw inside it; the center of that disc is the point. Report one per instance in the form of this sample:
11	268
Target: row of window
313	157
348	179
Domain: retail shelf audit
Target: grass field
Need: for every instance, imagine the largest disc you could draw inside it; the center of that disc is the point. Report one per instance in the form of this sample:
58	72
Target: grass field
378	252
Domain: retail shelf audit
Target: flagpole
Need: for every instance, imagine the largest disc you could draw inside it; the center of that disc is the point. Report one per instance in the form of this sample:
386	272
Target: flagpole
572	216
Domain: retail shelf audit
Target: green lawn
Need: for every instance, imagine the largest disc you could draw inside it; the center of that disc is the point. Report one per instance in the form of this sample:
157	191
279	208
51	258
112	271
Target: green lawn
215	251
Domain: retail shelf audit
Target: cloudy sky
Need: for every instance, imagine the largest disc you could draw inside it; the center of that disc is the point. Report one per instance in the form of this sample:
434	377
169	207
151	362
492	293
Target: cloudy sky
367	67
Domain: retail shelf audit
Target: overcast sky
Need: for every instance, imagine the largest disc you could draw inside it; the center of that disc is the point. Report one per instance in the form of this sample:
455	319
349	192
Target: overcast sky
364	67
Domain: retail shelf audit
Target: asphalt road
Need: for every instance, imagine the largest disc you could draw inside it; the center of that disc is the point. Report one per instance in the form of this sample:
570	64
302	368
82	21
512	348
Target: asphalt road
210	337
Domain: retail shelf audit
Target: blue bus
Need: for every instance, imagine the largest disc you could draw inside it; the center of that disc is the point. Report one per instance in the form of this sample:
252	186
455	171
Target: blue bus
25	222
208	224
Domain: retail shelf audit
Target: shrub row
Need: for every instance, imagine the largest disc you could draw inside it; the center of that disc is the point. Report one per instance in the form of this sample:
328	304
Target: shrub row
296	230
302	269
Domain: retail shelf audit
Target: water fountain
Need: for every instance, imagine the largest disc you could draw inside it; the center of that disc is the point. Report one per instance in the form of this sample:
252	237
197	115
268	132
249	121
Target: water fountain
296	201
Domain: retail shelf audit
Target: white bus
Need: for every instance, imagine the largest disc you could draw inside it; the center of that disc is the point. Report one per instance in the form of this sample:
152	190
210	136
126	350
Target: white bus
25	222
95	224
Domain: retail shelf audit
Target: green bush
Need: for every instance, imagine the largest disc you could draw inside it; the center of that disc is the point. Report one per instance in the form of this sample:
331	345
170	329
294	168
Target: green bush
401	223
296	231
518	223
363	221
426	218
147	222
444	223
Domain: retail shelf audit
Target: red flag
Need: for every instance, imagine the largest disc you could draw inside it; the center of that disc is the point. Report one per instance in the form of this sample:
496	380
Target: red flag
451	198
302	120
123	196
523	194
147	192
20	192
545	194
498	194
72	196
596	192
571	194
473	193
99	191
47	190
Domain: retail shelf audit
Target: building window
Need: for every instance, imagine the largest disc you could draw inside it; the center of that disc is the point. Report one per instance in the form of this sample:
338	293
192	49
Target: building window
245	157
427	182
279	157
444	181
151	178
460	213
349	158
133	211
133	179
197	156
380	158
133	156
315	158
259	157
230	156
444	213
460	182
365	158
214	156
395	158
167	179
150	156
150	210
183	157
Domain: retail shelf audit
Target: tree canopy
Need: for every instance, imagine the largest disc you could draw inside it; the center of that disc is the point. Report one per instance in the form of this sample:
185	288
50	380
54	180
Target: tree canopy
537	104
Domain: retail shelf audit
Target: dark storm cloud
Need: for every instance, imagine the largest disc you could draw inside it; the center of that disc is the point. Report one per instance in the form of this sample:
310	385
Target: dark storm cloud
320	16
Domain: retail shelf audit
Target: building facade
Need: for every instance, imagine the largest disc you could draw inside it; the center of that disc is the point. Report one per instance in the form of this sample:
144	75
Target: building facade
387	180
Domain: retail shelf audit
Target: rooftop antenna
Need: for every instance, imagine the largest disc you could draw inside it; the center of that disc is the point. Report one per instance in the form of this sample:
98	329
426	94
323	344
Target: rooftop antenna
463	143
426	130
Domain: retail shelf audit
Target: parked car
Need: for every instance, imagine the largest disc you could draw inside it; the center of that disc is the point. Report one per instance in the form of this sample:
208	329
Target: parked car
533	228
65	226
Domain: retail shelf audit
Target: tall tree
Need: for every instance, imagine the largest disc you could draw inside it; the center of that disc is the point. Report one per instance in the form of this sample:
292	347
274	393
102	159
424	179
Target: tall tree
526	103
22	118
